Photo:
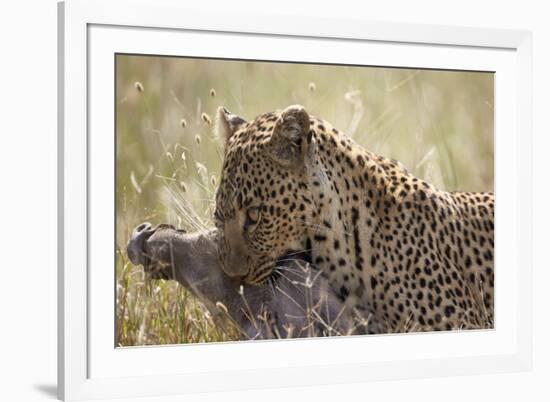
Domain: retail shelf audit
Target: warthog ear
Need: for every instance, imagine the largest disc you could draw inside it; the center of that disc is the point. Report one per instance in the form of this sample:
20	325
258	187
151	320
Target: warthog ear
289	141
227	123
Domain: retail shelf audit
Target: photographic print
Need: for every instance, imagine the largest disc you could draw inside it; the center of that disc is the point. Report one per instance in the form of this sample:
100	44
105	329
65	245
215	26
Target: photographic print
271	200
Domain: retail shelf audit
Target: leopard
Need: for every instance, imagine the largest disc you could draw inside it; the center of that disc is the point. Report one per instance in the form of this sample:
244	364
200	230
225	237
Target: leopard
393	246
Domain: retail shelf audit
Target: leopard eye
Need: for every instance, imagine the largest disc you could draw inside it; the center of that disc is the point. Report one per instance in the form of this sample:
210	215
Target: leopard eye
252	217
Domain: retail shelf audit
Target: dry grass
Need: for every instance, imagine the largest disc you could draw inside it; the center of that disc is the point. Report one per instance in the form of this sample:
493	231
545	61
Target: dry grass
437	123
161	312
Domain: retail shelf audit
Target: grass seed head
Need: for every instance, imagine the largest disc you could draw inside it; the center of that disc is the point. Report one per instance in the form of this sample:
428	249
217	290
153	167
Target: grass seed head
222	307
206	119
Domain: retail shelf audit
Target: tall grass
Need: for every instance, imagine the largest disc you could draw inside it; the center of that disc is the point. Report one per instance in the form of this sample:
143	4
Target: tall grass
439	124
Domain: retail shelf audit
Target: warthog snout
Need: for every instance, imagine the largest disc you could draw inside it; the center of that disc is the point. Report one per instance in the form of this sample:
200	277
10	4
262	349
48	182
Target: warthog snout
135	247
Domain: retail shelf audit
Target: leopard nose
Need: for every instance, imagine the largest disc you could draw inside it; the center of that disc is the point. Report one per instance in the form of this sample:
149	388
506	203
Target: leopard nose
136	244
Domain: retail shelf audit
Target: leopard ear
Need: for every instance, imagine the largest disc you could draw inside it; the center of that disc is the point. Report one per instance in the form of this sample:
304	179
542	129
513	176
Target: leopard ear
227	123
290	138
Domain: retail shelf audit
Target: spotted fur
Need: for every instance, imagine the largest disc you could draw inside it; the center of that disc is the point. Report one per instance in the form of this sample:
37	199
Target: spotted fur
391	244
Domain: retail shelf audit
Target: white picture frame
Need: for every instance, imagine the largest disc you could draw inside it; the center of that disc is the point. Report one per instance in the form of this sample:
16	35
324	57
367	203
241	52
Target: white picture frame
90	367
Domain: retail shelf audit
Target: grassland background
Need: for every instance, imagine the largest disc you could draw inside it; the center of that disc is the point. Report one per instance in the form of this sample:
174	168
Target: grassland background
438	123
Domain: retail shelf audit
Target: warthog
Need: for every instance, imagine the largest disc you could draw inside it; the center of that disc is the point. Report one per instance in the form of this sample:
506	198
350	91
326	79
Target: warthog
295	302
